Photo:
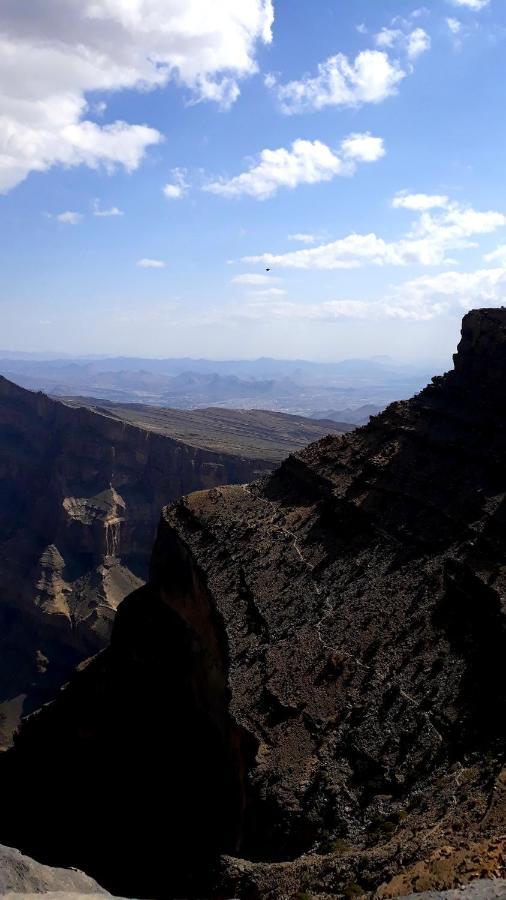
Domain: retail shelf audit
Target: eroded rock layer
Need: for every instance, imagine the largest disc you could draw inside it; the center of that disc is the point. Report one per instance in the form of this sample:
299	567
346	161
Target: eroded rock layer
309	694
80	500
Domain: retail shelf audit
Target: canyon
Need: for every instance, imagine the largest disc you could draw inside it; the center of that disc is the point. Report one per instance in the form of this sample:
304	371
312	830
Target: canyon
307	698
81	489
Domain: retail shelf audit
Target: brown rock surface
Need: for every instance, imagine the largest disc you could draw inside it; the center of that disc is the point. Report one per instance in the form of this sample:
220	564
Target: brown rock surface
21	876
311	686
80	499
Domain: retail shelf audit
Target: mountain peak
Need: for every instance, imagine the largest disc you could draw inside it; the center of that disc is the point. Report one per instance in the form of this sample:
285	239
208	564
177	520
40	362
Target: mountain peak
481	352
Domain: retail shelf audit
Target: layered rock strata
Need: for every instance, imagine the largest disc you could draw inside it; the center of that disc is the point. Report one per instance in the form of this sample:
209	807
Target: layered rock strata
80	499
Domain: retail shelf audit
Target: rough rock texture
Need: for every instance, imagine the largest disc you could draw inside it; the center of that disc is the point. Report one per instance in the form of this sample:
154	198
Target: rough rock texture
478	890
80	500
310	692
21	876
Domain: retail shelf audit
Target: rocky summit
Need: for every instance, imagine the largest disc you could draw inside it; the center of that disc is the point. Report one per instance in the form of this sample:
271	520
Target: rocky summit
308	697
80	497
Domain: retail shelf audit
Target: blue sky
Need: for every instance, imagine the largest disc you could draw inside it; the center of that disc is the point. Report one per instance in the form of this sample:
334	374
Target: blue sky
157	156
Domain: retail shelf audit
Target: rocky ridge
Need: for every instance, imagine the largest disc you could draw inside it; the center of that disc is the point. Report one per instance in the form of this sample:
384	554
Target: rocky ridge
80	497
310	690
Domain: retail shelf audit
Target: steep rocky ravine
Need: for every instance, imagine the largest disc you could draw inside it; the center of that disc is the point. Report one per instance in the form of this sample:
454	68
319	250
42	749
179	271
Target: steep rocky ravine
80	500
308	697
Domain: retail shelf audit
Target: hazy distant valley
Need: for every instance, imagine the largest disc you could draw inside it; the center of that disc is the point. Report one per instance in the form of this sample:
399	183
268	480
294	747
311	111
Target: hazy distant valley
350	390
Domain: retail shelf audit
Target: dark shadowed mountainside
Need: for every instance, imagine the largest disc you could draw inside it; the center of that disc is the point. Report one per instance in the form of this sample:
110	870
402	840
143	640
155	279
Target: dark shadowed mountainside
80	497
308	698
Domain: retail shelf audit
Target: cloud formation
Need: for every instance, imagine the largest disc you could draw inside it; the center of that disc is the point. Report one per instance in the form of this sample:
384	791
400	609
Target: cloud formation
420	202
363	147
178	187
418	300
302	238
147	263
69	218
427	243
113	211
306	162
373	76
63	49
475	5
370	78
412	43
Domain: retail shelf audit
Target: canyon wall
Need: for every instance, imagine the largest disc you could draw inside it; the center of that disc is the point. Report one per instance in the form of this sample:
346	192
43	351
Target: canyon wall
80	500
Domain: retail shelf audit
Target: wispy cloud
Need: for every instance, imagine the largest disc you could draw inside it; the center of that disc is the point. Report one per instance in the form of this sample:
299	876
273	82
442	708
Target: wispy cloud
147	263
178	187
417	300
302	238
106	213
412	43
476	5
69	218
442	226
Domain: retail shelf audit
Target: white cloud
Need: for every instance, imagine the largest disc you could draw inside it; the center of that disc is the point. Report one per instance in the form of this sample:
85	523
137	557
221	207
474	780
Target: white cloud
69	218
497	255
412	43
476	5
51	58
370	78
252	278
418	43
106	213
147	263
363	147
307	162
454	25
419	299
420	202
269	292
178	187
428	242
448	293
302	238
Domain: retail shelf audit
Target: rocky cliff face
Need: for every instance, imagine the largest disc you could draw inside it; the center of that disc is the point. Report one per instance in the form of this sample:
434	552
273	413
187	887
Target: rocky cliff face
80	500
309	694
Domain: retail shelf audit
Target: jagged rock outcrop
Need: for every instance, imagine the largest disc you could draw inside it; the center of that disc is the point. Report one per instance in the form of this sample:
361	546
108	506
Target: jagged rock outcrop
80	499
309	694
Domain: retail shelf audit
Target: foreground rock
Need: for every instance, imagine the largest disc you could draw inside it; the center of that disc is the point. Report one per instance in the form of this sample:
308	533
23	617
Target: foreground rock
308	698
478	890
80	499
22	876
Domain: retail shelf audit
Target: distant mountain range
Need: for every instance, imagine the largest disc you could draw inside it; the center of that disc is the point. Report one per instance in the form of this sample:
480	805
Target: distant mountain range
294	386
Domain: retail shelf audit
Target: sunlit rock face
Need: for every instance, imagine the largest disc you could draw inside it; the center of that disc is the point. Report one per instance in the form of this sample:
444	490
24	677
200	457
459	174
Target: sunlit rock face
309	694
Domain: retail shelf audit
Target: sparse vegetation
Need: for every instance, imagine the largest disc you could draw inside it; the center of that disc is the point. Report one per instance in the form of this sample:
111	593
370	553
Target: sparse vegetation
352	890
